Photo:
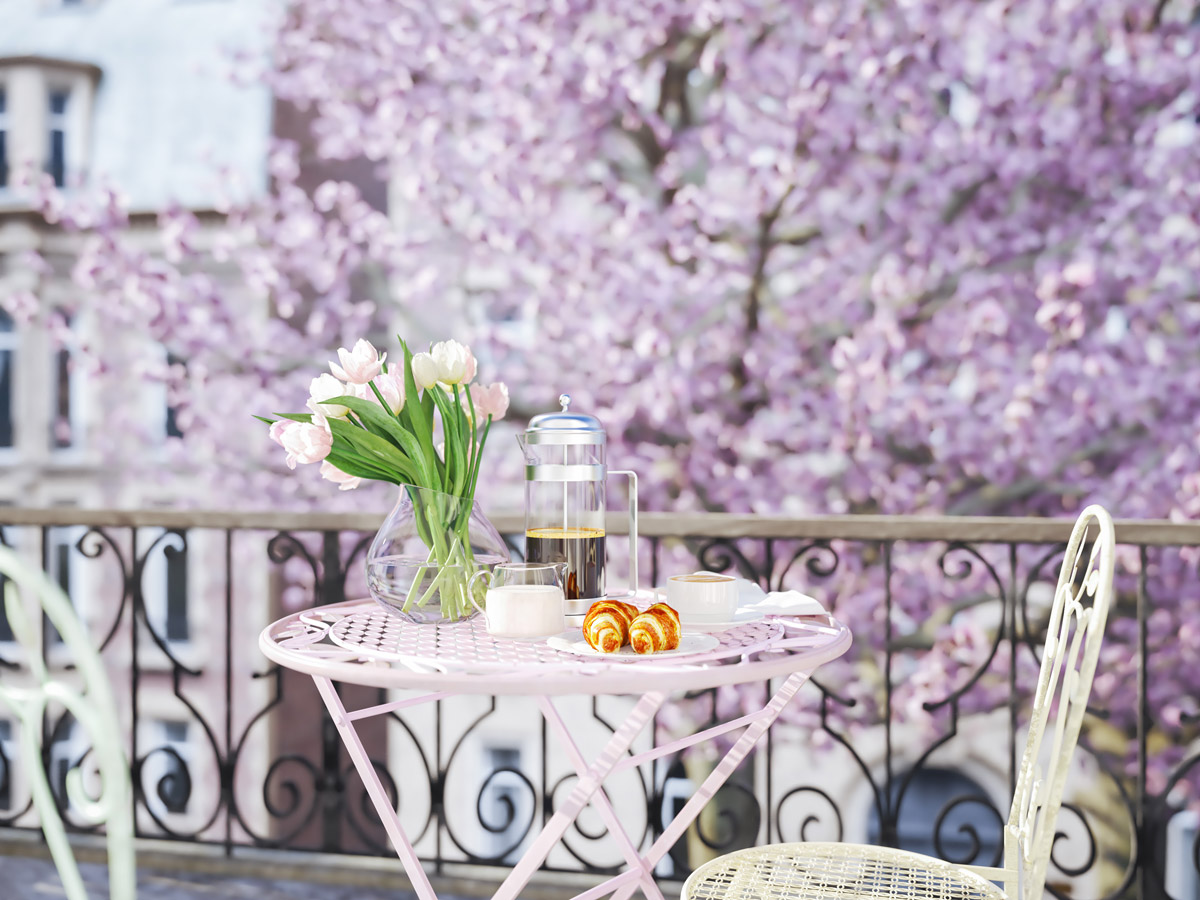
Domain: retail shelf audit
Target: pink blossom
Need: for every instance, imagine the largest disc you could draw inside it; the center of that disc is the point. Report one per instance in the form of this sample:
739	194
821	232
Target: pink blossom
304	443
490	400
345	482
360	365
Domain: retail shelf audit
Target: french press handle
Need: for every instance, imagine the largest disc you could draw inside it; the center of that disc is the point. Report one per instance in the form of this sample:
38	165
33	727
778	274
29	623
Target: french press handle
633	529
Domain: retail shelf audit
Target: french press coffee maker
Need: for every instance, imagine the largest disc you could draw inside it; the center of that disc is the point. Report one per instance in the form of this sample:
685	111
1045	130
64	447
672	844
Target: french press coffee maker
565	502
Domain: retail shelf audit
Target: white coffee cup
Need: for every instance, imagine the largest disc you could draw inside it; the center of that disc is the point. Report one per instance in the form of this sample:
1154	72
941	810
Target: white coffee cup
524	601
703	596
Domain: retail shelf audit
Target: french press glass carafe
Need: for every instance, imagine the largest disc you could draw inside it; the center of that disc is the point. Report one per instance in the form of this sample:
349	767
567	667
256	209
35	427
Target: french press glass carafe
565	502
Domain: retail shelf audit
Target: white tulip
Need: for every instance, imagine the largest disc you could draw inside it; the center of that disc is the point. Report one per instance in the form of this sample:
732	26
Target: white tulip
326	387
425	370
455	363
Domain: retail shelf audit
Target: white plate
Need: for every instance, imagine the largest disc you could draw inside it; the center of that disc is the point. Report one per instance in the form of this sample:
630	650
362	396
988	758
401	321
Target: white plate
572	642
741	617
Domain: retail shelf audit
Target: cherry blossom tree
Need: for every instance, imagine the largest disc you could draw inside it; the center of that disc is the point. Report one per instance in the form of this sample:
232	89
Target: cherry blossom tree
839	256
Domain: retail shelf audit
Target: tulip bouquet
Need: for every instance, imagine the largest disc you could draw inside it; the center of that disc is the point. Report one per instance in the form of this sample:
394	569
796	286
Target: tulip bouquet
421	424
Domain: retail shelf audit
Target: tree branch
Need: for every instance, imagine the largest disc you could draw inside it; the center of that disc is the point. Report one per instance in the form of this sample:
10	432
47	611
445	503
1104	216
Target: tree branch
1156	17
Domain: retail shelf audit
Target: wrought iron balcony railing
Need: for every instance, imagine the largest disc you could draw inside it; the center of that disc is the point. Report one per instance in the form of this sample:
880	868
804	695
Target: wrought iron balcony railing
910	740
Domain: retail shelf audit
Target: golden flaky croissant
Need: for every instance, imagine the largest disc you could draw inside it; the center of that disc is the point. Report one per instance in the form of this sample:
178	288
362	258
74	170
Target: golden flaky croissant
655	629
606	625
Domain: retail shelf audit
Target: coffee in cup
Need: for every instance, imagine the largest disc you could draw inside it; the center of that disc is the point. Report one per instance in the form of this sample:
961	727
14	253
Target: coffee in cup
703	597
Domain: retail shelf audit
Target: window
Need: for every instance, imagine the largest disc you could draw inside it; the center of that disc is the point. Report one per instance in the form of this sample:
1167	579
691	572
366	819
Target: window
60	429
929	793
173	429
60	558
3	137
66	752
66	429
165	586
7	751
45	114
677	789
61	563
6	633
167	780
8	350
172	423
504	807
56	159
1183	833
177	594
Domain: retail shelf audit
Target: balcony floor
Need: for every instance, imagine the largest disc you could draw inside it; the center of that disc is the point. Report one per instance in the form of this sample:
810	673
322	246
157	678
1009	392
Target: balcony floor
36	879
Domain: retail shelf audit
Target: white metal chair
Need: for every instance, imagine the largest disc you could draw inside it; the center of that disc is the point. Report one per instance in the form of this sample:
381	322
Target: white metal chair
835	871
94	711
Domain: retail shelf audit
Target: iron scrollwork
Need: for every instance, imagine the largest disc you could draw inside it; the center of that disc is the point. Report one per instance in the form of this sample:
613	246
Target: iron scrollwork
294	786
811	819
969	829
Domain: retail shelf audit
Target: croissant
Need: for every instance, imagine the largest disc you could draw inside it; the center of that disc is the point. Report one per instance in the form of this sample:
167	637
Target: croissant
606	625
655	629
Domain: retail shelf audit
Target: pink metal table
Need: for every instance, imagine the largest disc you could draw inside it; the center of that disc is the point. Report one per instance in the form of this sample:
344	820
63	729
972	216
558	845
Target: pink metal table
358	643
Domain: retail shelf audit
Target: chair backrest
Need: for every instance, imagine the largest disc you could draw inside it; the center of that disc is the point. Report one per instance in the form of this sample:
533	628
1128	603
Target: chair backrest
93	710
1073	637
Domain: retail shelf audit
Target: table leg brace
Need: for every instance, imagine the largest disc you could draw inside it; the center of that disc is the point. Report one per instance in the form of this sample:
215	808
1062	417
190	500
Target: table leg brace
589	782
717	777
603	804
370	778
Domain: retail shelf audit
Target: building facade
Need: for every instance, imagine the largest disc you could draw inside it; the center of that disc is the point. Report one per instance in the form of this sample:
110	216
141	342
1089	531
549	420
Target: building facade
140	96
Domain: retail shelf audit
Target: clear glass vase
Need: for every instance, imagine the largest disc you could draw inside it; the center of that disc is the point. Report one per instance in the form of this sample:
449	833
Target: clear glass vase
422	558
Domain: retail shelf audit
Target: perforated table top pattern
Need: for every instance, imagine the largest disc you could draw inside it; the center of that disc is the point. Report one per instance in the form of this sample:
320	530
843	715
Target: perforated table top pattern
467	646
359	642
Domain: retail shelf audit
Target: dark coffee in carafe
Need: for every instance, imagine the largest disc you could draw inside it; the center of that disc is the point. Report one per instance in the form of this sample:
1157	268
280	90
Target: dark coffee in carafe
582	549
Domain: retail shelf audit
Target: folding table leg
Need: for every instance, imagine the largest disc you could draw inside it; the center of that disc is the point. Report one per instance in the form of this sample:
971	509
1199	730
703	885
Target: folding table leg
719	775
603	804
366	771
589	782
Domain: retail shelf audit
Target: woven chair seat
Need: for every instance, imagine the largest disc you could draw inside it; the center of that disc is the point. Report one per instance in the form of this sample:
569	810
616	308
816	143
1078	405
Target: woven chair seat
831	871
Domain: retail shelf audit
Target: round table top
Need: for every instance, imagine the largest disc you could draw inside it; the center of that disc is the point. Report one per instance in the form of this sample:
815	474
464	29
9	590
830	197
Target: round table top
360	643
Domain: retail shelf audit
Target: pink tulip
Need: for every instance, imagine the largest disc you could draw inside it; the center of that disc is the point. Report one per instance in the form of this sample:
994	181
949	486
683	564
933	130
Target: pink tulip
360	365
345	482
391	386
304	443
277	429
490	400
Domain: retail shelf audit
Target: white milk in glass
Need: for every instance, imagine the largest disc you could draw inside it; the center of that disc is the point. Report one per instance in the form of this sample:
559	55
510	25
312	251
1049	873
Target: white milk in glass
525	610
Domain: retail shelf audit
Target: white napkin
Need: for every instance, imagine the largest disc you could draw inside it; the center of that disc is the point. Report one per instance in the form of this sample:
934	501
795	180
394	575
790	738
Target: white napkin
777	603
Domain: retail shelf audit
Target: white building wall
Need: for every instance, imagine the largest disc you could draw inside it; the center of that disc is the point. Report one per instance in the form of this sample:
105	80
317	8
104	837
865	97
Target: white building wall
167	115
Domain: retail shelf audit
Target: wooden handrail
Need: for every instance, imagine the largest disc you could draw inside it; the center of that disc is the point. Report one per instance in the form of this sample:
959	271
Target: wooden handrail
970	529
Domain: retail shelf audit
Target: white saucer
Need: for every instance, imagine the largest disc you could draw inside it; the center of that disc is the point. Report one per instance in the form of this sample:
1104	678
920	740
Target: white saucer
572	642
741	617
